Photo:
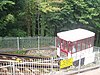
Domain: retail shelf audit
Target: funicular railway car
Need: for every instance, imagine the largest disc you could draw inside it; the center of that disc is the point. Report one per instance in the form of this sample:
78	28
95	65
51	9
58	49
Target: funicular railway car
77	44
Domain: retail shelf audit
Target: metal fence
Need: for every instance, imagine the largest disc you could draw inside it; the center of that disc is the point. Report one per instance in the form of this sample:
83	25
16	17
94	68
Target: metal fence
27	42
39	66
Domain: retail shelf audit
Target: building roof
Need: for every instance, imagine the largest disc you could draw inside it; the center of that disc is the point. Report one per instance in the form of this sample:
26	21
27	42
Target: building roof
76	34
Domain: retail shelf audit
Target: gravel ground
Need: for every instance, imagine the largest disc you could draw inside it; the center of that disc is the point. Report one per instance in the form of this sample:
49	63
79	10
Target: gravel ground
41	52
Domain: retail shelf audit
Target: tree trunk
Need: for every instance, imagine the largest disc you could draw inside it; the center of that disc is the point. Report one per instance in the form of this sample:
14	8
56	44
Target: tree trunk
97	39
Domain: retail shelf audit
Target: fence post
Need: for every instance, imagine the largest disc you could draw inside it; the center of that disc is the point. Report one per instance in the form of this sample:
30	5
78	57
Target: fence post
13	68
51	65
98	57
79	67
55	43
38	43
18	43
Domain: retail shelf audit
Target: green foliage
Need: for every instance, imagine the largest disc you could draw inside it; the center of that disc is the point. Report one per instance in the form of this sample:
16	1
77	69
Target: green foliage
10	18
20	52
17	33
5	2
81	10
6	16
5	20
46	7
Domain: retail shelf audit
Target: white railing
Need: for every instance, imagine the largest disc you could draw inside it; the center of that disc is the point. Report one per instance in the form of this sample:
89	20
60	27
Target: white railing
42	66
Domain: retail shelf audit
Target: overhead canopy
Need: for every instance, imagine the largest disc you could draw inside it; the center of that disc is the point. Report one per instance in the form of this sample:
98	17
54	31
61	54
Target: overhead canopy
76	34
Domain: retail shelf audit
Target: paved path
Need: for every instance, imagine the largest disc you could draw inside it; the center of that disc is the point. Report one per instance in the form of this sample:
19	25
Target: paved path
92	72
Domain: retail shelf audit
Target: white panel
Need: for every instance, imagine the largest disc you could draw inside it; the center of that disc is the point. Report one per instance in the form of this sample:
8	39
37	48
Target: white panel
58	51
89	58
74	56
83	53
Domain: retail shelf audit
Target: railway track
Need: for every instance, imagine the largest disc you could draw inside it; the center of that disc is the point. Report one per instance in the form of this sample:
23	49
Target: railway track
23	56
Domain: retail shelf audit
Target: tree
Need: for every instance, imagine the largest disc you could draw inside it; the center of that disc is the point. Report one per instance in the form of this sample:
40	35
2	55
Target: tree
95	21
74	13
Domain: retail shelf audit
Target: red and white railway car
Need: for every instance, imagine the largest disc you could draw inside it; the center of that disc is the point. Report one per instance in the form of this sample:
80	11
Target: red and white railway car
76	44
